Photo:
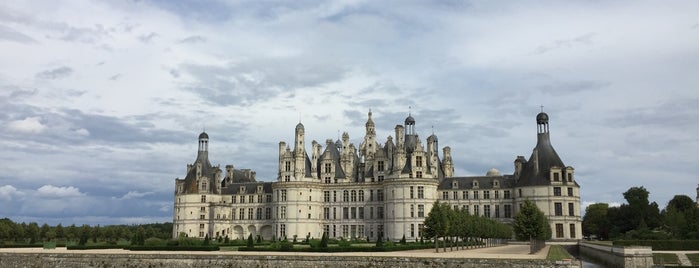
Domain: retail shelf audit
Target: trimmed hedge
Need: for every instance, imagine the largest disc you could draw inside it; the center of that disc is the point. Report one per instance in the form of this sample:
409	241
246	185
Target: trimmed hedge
79	247
178	248
22	246
661	244
344	249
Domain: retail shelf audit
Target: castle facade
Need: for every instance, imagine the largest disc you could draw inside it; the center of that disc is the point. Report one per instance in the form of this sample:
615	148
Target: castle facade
359	192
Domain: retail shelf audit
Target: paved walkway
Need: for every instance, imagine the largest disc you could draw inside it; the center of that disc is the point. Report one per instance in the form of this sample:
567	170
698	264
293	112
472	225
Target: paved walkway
501	252
681	255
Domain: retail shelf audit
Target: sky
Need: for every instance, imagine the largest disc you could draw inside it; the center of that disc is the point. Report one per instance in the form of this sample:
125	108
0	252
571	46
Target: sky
101	102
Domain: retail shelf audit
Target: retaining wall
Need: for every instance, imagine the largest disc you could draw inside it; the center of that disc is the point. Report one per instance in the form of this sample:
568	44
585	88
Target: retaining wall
628	257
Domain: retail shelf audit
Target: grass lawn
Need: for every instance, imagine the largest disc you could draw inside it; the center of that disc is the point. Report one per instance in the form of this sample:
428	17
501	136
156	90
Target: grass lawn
604	243
666	258
694	258
557	253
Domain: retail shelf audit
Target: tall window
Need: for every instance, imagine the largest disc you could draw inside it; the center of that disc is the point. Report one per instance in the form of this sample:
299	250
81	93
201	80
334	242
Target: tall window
476	210
242	214
361	195
326	213
411	192
465	194
250	211
556	177
412	230
345	195
475	194
445	195
203	199
572	230
283	213
418	161
570	191
559	230
379	212
334	196
486	211
353	213
282	230
559	209
361	212
379	195
486	194
326	196
497	211
203	185
420	211
371	195
283	195
380	165
418	174
268	213
328	168
508	211
354	196
258	214
345	213
497	194
328	180
571	209
287	166
506	194
420	192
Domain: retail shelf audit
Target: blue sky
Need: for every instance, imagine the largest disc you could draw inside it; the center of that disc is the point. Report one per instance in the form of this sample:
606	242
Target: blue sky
101	102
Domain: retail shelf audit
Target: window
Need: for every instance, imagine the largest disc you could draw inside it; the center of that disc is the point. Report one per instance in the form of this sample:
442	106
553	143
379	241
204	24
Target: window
242	199
418	174
445	195
251	199
202	209
345	231
486	194
559	209
268	213
411	192
242	214
283	195
379	195
412	230
233	199
250	211
380	166
475	194
283	213
497	194
486	211
268	198
361	195
371	212
420	229
570	191
556	191
202	217
380	178
559	230
476	210
379	212
508	211
328	180
572	230
203	185
334	196
418	161
371	195
361	212
465	195
556	177
420	211
506	194
420	192
326	196
334	213
456	195
345	213
287	178
201	226
345	195
203	199
571	209
519	192
328	168
353	212
354	196
326	230
412	211
326	213
287	166
570	177
497	211
282	230
258	213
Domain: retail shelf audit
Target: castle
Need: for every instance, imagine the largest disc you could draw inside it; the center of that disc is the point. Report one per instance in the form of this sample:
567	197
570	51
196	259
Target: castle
359	192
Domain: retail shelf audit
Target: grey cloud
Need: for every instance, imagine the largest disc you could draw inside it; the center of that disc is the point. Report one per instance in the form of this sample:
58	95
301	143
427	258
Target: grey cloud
82	34
146	38
9	34
572	87
251	81
582	40
193	39
115	77
678	113
60	72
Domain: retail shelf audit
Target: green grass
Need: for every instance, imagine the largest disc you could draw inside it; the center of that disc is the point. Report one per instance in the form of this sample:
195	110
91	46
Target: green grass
557	253
604	243
694	258
665	258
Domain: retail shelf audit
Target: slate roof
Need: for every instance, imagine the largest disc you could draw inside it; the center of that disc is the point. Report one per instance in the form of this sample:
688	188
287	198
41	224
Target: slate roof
536	170
250	188
484	182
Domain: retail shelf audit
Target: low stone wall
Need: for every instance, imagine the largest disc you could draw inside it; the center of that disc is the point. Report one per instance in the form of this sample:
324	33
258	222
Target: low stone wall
628	257
77	260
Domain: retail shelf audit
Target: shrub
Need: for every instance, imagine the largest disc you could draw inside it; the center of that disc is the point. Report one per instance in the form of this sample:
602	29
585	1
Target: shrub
153	241
286	246
344	243
250	243
173	243
661	244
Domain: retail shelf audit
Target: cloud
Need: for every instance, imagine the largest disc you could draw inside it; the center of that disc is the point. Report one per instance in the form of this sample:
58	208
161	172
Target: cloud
60	72
28	125
193	39
582	40
8	192
9	34
50	191
148	37
135	195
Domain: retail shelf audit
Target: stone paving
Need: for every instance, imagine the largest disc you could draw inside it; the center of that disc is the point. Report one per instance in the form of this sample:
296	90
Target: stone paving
500	252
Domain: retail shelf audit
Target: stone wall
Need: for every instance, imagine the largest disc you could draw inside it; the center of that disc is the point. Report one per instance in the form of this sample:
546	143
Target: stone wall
629	257
77	260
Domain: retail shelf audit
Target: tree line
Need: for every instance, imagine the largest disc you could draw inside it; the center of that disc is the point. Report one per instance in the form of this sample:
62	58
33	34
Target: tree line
31	233
640	219
460	227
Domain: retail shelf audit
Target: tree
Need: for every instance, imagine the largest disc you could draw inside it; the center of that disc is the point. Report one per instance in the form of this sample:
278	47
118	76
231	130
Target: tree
250	241
437	223
530	223
324	241
84	234
680	218
33	232
595	221
42	232
139	238
60	233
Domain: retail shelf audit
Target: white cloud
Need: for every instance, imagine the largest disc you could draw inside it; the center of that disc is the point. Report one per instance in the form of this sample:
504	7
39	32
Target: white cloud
8	192
28	125
135	194
53	191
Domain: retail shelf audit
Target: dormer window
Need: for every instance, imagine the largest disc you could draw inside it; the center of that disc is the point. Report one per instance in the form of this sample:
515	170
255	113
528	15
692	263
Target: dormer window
455	185
475	184
259	188
496	184
242	189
